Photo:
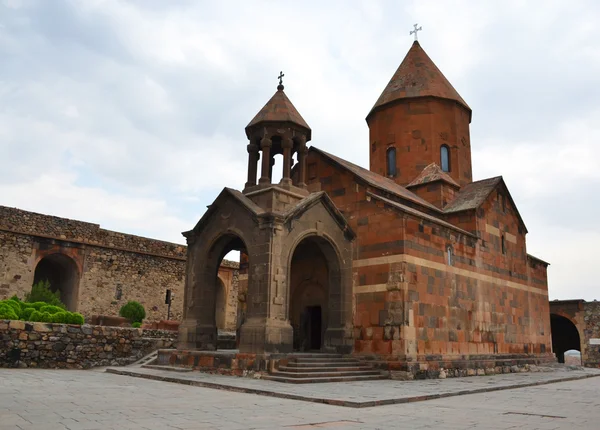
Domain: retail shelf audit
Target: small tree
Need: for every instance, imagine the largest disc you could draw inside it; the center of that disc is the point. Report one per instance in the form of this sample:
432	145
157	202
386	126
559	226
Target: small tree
41	292
133	311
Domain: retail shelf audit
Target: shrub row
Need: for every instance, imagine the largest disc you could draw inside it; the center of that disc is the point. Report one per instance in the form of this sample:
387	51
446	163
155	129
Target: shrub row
13	309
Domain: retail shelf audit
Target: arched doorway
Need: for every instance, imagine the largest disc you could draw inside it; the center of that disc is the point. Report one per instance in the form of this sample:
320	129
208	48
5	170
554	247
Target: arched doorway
565	336
62	273
314	281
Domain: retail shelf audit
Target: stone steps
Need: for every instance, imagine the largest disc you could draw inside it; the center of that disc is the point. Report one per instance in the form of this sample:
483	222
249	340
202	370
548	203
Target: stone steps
322	363
347	368
274	377
315	368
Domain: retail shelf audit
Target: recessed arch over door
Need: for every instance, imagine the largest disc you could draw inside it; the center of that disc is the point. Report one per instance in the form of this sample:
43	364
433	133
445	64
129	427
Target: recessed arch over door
63	275
565	336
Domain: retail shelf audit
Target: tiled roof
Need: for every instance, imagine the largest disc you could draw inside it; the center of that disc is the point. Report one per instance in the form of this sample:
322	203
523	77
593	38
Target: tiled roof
472	195
419	214
279	109
376	180
432	173
418	76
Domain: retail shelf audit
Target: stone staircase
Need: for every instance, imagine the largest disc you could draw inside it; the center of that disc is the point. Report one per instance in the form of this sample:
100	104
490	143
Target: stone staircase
312	368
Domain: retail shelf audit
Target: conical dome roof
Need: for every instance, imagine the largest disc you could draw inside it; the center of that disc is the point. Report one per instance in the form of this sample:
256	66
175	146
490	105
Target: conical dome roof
279	109
418	76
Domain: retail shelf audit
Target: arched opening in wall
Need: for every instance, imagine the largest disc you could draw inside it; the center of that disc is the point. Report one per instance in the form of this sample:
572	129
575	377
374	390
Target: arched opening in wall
223	269
391	162
277	169
62	274
565	336
445	158
315	292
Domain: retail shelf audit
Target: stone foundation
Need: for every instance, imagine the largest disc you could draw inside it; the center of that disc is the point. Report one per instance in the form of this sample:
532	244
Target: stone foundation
434	367
223	362
240	364
26	344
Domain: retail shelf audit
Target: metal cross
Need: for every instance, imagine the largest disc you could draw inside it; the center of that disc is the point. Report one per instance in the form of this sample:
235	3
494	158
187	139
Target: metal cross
415	31
280	77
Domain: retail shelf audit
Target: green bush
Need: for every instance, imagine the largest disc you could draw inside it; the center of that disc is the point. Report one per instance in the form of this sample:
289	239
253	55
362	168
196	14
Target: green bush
15	298
133	311
60	317
75	318
41	292
7	312
136	324
51	309
26	314
37	305
15	305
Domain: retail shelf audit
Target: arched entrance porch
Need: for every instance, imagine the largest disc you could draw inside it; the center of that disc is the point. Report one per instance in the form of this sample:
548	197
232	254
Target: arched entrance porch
315	294
565	336
206	295
63	275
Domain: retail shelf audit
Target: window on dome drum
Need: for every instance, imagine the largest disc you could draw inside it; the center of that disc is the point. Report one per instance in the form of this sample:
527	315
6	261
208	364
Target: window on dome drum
391	162
445	158
449	256
503	245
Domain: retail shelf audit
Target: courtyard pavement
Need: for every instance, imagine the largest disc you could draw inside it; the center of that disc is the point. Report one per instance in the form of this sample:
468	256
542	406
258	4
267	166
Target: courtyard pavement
364	393
78	399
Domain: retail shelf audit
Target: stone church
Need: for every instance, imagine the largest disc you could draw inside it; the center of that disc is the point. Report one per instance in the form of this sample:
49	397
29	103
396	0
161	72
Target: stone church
410	262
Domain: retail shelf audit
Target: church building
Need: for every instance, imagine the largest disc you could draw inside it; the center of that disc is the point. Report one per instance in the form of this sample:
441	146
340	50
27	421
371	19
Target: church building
410	263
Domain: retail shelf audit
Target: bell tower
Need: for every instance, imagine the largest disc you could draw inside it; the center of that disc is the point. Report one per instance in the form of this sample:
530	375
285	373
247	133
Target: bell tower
277	128
419	119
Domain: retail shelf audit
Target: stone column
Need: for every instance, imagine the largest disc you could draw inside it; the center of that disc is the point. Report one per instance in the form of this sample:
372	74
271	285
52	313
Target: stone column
302	152
265	145
252	164
287	145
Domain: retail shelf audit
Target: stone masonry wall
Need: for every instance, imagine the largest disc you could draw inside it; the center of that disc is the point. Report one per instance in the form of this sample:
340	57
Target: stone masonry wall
17	220
76	347
591	330
112	267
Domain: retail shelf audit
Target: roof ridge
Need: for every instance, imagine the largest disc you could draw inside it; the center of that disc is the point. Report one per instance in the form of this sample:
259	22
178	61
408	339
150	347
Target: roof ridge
378	181
279	108
432	173
417	76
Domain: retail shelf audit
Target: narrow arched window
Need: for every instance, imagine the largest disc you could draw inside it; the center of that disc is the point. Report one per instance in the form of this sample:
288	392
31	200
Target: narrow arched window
445	158
391	162
503	245
449	256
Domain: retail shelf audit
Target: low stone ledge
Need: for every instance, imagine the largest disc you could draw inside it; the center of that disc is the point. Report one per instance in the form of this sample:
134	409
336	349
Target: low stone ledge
52	346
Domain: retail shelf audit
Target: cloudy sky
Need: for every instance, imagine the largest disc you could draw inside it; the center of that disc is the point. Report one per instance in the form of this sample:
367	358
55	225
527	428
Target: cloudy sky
131	114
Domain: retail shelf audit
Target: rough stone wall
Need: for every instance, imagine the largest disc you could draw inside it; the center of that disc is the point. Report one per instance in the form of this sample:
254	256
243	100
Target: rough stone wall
591	331
76	347
229	274
113	268
111	278
16	261
409	302
31	223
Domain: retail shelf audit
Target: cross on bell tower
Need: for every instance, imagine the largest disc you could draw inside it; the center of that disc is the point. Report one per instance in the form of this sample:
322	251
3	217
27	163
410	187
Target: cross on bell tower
415	31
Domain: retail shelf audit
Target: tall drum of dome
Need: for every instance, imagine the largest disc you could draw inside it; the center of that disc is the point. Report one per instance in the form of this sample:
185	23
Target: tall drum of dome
419	119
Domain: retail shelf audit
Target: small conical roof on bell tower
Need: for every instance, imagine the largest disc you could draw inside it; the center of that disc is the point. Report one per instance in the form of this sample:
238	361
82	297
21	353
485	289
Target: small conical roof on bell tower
278	109
417	76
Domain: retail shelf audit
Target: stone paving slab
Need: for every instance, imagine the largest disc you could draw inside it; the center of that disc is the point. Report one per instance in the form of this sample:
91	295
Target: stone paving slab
360	394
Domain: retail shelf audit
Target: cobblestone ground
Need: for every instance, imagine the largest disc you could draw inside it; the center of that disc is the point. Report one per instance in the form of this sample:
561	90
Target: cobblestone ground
52	399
